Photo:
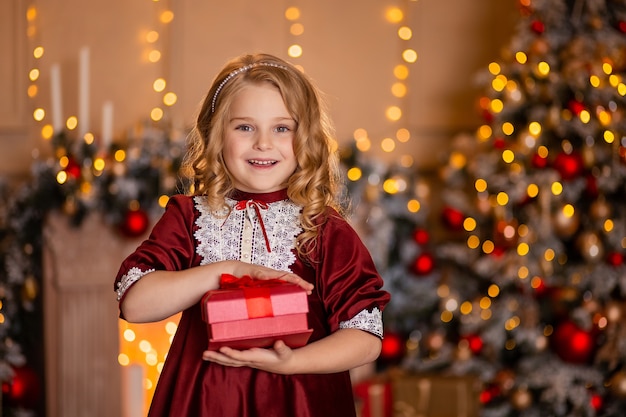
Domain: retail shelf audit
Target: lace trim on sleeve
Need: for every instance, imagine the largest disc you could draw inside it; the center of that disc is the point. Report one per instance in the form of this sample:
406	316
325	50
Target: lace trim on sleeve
129	279
369	321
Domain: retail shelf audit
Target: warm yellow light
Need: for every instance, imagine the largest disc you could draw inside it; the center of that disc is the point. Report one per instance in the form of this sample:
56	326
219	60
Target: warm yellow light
89	138
394	15
31	13
484	132
473	242
609	137
294	51
47	131
607	68
292	13
359	133
99	164
409	55
466	307
39	114
401	71
156	114
123	359
354	174
170	99
604	117
502	198
523	249
469	224
390	186
457	160
152	36
542	151
33	74
608	225
549	254
413	206
61	177
508	128
494	68
497	105
488	246
393	113
405	33
543	68
398	89
594	80
406	161
154	55
621	89
497	84
167	16
534	128
364	144
71	122
119	155
403	135
32	90
556	188
508	156
532	190
480	185
584	116
159	85
521	57
296	29
485	302
388	145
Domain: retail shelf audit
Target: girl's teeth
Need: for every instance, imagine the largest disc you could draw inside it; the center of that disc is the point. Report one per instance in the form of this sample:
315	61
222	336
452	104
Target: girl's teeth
261	162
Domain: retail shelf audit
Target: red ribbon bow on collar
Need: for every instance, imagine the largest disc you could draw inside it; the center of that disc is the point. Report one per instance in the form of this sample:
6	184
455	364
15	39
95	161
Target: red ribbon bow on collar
257	206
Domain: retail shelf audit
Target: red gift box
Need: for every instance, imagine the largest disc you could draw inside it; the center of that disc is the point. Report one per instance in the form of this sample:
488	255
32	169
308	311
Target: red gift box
246	313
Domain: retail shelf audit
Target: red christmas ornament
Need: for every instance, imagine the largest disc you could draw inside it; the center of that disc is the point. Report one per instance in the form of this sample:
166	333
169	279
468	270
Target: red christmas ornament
615	258
576	107
596	401
72	169
537	26
24	390
622	26
539	161
569	166
453	218
421	236
499	143
135	223
392	348
474	342
539	286
423	264
572	343
489	394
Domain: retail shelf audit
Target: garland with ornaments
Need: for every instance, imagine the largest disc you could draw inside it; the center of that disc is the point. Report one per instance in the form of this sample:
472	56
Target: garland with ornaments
128	185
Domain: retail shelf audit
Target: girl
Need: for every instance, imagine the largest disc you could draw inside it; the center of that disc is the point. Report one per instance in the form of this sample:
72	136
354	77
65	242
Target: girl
265	204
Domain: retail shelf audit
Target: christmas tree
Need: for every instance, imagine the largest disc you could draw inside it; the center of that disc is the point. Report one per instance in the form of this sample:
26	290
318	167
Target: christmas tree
528	288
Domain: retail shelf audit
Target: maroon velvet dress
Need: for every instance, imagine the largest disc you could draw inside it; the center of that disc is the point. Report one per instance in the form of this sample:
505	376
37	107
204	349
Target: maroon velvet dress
346	284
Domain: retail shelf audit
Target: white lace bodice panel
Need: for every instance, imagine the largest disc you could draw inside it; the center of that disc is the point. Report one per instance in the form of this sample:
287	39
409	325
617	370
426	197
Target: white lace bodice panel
240	234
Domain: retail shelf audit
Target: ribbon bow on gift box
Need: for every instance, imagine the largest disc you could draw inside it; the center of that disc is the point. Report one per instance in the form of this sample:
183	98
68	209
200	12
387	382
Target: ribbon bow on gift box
256	292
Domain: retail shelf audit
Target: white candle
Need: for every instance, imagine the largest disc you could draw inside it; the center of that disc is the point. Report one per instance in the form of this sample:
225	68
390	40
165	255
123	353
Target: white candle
107	125
83	92
56	107
133	393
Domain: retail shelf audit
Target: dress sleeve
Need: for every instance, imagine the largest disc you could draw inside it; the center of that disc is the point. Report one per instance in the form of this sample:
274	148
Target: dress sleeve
170	245
348	282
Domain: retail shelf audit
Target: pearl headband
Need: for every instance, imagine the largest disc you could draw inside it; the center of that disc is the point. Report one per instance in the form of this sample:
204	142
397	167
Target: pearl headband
239	71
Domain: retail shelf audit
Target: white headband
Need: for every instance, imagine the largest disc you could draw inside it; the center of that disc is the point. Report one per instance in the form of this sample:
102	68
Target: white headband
239	71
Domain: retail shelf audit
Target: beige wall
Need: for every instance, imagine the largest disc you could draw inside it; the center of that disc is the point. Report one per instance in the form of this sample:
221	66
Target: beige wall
349	49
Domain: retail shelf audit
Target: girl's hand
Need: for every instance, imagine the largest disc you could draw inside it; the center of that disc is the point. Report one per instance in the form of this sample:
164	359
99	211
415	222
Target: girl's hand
261	272
276	359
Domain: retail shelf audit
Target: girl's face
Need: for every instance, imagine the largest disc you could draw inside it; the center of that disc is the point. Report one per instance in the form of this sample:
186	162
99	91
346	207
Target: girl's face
258	141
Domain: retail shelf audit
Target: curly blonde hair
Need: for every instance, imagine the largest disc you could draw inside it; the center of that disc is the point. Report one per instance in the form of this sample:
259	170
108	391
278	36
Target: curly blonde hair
316	183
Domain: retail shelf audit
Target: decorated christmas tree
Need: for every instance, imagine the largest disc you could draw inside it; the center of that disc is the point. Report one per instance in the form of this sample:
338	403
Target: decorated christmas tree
529	286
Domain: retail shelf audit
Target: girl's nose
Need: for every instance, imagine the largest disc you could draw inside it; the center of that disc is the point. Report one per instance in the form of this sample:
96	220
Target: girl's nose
263	141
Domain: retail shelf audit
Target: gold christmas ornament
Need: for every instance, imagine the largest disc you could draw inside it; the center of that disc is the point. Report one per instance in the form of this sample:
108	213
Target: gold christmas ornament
565	225
600	209
521	399
617	384
590	246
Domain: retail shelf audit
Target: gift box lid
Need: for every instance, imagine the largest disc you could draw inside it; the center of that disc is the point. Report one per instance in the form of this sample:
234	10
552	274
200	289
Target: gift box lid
232	304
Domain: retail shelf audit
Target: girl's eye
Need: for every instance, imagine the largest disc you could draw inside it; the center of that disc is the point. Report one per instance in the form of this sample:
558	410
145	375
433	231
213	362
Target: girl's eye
283	129
245	128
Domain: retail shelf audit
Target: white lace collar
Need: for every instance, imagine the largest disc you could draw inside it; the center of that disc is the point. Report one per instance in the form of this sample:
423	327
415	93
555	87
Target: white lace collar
239	236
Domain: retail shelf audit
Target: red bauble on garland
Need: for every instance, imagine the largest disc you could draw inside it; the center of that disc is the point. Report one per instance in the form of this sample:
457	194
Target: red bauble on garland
576	107
615	258
570	166
573	344
537	26
135	223
72	168
474	342
539	161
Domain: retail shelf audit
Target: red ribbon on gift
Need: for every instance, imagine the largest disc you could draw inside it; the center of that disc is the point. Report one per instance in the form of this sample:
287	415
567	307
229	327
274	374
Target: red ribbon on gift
256	292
